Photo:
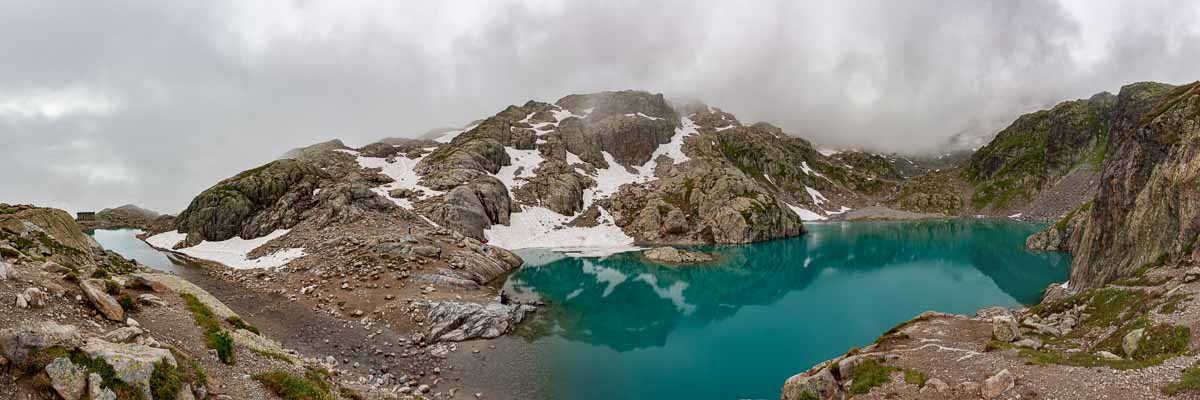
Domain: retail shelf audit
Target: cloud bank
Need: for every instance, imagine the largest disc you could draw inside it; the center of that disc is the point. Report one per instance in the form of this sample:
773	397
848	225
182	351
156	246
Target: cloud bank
151	102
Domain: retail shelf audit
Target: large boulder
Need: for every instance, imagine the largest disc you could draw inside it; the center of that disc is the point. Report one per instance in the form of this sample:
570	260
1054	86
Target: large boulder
996	385
820	384
16	344
131	363
675	256
1132	341
107	305
68	380
472	208
453	321
1005	329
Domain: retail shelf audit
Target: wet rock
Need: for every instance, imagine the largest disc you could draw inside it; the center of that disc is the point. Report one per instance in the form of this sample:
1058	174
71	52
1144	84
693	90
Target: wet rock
996	385
17	343
1131	341
676	256
94	290
1005	329
67	380
132	363
458	320
821	384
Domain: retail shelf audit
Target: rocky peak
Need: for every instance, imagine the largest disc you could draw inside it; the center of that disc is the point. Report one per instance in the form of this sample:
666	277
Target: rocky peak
313	149
1147	208
1038	148
253	203
622	103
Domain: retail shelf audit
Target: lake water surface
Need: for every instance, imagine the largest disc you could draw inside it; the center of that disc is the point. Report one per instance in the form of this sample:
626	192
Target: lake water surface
621	327
126	243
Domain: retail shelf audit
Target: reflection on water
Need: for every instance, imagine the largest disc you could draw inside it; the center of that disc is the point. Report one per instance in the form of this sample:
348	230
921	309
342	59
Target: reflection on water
126	243
738	328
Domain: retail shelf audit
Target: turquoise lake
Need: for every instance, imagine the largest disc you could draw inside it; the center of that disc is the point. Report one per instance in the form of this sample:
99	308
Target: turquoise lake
738	328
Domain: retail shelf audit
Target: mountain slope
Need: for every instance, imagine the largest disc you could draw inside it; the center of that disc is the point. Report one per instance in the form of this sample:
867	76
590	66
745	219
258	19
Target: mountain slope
1147	208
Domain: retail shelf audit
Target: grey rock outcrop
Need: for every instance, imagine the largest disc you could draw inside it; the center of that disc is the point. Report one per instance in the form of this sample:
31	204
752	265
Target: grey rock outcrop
676	256
995	386
16	344
474	207
820	384
253	203
452	321
94	290
131	363
68	380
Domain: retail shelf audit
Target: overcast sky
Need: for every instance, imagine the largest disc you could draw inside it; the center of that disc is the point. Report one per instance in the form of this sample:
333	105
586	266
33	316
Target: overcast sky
110	102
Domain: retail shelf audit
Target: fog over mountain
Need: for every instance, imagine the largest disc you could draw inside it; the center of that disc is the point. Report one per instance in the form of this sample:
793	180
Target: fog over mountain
107	103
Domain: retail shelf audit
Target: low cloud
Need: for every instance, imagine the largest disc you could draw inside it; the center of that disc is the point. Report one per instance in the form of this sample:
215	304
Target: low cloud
151	102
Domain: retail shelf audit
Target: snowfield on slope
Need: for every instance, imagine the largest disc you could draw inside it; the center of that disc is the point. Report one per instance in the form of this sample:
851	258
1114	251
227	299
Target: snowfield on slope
233	253
539	227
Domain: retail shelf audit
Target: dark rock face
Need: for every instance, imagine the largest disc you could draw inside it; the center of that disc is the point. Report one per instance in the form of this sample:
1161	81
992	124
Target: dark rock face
312	150
706	203
557	186
1148	203
1038	148
126	216
252	204
472	208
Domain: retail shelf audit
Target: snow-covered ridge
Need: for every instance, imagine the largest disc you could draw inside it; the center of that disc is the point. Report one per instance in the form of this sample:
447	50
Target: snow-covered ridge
539	227
233	253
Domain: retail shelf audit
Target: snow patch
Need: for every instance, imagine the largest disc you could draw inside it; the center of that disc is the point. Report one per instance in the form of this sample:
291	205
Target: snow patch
166	240
401	171
816	196
1015	216
233	253
522	166
809	171
539	227
805	214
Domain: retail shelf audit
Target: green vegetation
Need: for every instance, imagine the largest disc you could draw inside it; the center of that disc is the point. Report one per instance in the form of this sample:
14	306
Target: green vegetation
350	394
1125	310
1138	278
274	356
112	287
292	387
869	374
7	209
1177	95
164	381
807	395
914	377
128	303
1189	382
217	338
1062	223
238	323
1173	303
38	361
